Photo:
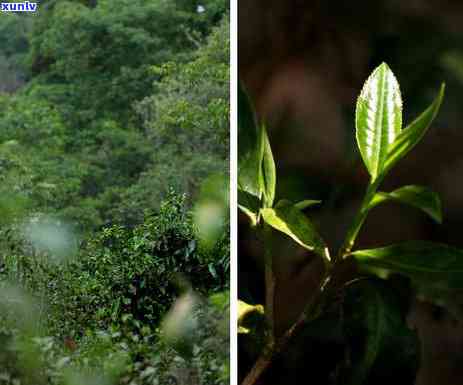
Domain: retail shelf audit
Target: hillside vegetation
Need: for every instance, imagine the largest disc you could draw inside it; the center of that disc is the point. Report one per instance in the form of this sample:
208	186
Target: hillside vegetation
113	196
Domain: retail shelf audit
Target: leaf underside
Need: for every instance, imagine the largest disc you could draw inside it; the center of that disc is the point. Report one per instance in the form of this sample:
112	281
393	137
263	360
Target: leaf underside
417	196
422	261
414	132
289	220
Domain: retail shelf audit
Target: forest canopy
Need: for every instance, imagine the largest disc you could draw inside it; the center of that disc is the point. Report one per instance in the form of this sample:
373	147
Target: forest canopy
106	98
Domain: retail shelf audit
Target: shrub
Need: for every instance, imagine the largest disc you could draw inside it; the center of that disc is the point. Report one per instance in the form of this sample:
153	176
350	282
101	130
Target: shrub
130	277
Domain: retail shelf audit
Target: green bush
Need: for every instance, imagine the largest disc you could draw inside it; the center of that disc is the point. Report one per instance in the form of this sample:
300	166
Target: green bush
110	299
131	276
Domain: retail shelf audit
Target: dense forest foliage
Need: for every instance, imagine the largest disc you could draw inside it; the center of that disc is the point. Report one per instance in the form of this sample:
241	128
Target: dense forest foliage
113	206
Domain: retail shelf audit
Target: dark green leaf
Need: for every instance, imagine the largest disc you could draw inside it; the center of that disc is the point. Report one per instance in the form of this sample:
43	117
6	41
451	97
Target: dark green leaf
374	314
375	328
283	202
302	205
250	147
420	260
249	205
412	134
378	118
416	196
291	221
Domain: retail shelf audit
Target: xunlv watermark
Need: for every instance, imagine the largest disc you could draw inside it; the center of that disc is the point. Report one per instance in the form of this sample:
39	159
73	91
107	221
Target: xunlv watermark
18	7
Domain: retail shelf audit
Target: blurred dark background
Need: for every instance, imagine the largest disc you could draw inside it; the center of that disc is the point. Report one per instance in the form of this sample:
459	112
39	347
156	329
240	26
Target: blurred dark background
304	63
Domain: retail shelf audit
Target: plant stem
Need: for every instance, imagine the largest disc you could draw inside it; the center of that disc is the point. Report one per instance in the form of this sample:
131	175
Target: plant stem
270	298
262	363
269	283
273	349
360	217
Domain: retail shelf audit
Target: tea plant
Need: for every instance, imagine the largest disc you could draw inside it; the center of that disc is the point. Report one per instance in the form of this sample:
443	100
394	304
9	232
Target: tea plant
382	142
105	310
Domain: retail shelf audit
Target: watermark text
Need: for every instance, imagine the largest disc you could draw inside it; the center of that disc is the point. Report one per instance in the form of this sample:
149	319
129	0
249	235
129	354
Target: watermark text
24	6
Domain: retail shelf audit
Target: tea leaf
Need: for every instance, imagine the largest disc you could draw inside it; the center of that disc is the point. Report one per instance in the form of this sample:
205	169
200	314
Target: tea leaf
412	134
268	171
378	118
249	205
291	221
256	166
420	260
250	147
302	205
244	311
375	318
416	196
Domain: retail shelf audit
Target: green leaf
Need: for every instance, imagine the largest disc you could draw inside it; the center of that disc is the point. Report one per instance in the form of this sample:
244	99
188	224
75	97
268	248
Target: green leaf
420	260
378	118
268	171
249	205
250	147
374	318
416	196
244	312
375	328
412	134
302	205
291	221
256	166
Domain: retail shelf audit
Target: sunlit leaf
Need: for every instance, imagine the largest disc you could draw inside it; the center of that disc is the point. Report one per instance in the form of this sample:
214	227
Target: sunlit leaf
250	147
378	118
244	311
416	196
412	134
268	171
291	221
256	166
419	260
